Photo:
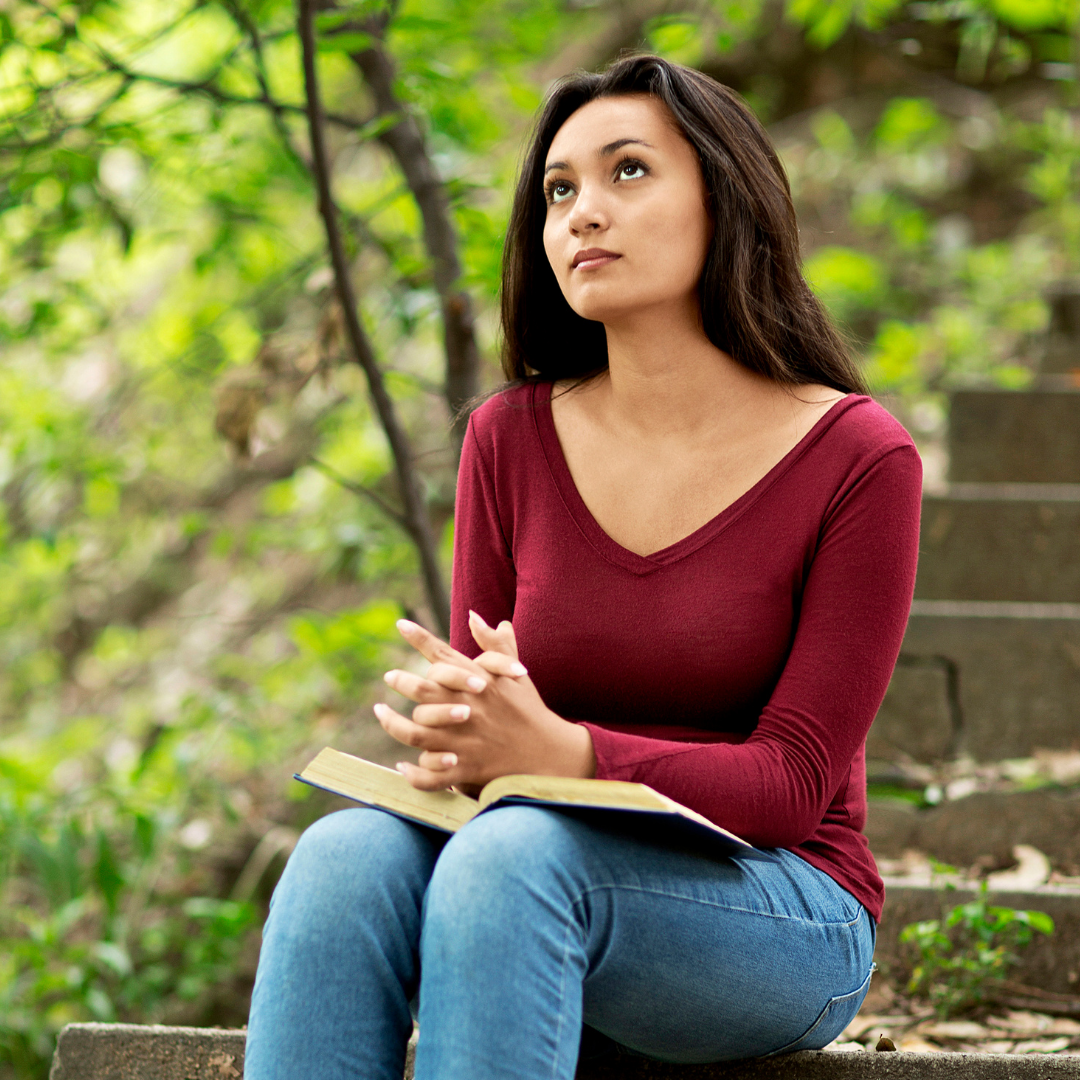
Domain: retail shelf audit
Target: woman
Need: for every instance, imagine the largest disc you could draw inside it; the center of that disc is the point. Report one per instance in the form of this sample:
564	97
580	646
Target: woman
703	536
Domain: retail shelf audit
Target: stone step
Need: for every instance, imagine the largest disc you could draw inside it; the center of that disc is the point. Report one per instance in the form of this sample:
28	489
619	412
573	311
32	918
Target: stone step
1050	963
993	680
1021	436
1063	340
132	1052
977	545
984	825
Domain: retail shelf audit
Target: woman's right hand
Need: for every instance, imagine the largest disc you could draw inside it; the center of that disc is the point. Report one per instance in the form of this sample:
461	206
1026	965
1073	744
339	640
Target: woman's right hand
479	719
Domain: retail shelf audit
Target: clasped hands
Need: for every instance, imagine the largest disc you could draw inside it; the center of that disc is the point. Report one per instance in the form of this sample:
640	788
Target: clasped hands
478	719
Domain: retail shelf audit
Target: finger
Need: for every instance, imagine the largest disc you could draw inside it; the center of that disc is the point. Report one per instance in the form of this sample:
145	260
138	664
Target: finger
452	677
424	779
452	680
498	663
505	630
431	647
493	639
403	729
440	715
437	760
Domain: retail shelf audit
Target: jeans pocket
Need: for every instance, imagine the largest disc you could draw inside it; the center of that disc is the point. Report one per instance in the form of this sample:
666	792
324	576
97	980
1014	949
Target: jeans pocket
836	1016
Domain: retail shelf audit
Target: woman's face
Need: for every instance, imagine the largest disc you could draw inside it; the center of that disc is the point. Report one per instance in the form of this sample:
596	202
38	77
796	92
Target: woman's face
627	227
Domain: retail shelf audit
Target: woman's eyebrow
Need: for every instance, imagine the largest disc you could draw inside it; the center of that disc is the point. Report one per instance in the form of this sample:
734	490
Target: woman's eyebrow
618	144
603	152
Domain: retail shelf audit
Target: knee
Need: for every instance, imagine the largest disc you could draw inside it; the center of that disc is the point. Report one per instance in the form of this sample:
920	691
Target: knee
507	854
347	853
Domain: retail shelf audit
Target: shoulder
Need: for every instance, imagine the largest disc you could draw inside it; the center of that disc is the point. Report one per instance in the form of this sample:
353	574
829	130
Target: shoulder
506	408
505	420
859	427
865	456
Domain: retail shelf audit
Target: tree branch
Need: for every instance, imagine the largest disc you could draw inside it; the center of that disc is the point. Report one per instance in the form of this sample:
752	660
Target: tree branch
415	517
405	141
207	88
359	489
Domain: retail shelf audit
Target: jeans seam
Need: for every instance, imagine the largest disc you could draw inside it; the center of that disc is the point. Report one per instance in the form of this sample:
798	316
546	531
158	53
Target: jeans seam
788	1047
721	907
562	989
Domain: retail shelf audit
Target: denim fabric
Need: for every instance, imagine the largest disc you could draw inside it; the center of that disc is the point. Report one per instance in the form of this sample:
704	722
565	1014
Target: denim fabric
528	924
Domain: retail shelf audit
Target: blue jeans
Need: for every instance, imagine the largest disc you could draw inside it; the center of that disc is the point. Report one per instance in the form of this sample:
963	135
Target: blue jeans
529	923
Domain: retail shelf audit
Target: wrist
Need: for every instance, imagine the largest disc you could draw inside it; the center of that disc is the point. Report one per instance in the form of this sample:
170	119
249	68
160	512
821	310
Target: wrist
578	757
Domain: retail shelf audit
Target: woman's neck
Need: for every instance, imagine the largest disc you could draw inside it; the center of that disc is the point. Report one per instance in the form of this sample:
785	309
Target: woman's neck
665	377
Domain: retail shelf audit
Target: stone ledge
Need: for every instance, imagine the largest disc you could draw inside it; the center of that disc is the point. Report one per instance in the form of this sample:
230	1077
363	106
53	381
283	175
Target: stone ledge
150	1052
1050	963
134	1052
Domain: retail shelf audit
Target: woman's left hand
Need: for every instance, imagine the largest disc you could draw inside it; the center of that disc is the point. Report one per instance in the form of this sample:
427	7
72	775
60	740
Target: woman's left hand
479	719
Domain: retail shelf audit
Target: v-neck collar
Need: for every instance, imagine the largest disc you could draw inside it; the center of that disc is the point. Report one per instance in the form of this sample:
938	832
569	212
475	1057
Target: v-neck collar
631	561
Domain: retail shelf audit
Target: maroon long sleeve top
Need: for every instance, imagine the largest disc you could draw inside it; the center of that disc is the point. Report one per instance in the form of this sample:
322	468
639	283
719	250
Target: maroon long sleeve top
736	671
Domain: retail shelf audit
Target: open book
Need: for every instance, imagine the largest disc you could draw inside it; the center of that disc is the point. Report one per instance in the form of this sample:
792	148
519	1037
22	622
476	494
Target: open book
386	789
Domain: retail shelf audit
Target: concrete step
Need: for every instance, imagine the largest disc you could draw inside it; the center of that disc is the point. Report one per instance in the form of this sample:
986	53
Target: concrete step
1050	963
1002	435
1063	340
147	1052
131	1052
978	543
982	827
990	679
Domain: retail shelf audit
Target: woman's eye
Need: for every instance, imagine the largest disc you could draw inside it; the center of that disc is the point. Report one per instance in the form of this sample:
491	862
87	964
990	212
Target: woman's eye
631	170
559	191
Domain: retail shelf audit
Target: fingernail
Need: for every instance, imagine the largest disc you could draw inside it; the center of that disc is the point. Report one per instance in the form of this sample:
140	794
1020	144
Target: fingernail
378	709
401	767
460	712
475	683
518	669
405	626
389	677
473	615
449	759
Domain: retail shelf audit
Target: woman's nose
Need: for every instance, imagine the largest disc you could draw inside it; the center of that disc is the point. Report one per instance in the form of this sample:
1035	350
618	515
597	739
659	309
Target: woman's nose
588	213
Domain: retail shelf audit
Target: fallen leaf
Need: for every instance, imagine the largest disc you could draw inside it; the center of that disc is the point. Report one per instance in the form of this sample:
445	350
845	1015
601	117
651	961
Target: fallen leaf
1041	1046
953	1029
1022	1022
884	1044
865	1021
1061	1026
1032	870
916	1044
991	1046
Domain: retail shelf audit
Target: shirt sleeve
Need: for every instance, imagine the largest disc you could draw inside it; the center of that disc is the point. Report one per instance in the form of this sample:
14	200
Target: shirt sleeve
484	578
774	789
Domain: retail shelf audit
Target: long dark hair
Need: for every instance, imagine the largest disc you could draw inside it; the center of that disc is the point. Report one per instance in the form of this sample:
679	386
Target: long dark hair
755	304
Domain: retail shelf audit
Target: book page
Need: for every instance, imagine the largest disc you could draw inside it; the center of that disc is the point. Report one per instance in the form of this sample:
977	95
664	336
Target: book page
600	794
378	786
575	791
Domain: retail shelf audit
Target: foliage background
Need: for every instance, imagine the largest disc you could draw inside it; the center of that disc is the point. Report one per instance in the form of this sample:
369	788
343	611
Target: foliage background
198	581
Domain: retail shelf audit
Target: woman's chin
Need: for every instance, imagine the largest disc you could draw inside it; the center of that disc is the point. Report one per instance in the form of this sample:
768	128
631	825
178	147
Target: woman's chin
608	310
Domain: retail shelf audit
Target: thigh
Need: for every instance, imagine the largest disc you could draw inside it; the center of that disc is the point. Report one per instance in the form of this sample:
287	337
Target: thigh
347	860
339	961
692	958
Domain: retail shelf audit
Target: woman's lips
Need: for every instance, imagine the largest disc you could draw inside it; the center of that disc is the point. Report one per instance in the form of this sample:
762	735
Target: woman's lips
591	258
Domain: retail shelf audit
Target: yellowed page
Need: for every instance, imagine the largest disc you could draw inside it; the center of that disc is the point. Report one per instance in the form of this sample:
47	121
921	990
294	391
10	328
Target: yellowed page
376	785
602	794
574	791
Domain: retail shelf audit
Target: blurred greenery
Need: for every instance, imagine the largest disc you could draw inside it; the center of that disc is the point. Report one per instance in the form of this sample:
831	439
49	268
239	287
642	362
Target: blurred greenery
197	585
